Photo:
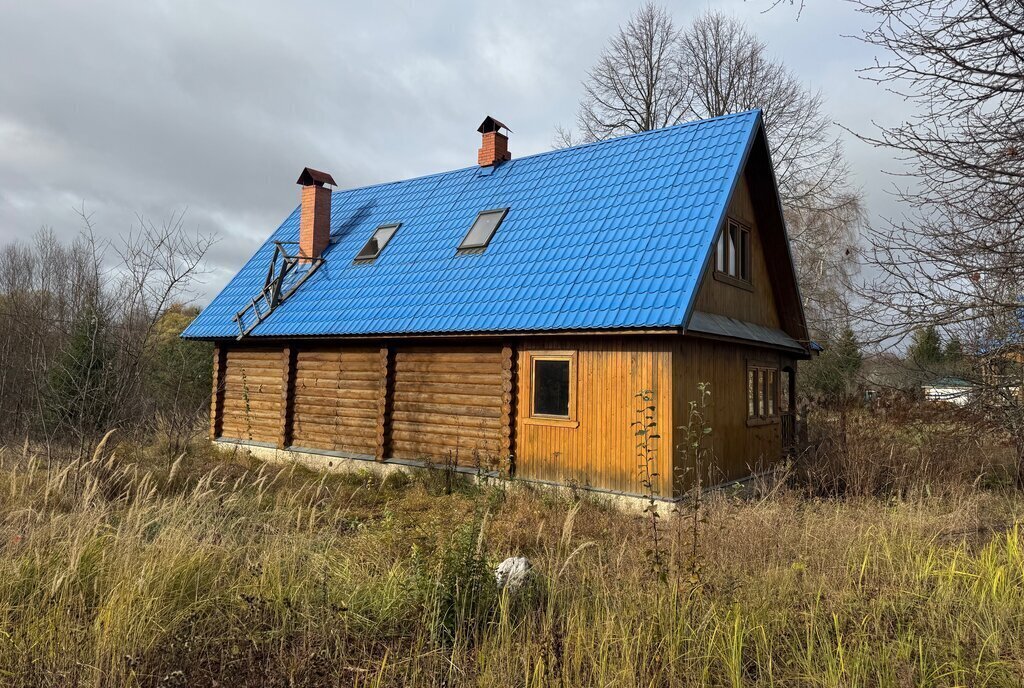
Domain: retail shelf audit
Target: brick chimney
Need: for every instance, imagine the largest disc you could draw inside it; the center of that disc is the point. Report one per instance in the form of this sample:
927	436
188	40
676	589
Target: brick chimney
494	148
315	220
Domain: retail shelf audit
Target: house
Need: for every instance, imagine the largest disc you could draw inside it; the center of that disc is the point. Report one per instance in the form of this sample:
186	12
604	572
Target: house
952	390
510	312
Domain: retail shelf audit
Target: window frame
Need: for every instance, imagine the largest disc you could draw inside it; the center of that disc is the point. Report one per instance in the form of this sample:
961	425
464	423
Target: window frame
533	418
360	259
765	402
742	238
463	249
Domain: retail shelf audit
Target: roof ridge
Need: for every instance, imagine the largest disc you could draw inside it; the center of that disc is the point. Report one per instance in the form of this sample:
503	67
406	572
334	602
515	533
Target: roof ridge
579	146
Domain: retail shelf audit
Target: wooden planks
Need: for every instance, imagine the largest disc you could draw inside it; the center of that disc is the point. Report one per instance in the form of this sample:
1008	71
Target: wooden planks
758	304
598	448
447	404
336	397
739	449
252	394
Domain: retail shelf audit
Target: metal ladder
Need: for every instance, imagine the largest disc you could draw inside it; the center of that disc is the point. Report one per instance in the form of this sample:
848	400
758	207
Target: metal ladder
275	291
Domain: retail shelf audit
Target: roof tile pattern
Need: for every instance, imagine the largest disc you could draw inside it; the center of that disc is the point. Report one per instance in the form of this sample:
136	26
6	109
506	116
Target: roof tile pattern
612	234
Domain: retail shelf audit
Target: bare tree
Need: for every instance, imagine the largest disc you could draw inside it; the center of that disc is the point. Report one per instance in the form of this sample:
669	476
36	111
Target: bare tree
653	75
729	70
85	324
637	84
956	259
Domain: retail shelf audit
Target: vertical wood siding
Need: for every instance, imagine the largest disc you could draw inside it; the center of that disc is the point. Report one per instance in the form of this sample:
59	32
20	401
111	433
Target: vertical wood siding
252	395
739	449
447	402
336	399
600	451
757	306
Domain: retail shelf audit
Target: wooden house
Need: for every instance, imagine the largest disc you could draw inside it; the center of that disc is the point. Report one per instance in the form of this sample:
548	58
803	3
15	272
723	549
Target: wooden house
509	313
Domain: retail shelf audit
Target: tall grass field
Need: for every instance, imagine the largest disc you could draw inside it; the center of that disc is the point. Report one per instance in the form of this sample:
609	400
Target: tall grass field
129	569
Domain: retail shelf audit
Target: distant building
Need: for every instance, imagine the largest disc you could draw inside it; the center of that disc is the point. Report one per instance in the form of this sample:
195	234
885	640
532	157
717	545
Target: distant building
952	390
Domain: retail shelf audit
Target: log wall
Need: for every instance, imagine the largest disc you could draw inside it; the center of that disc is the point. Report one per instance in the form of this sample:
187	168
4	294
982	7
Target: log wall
447	403
336	399
251	404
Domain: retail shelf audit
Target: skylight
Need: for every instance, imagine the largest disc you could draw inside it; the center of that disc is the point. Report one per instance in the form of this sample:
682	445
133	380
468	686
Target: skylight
381	236
483	229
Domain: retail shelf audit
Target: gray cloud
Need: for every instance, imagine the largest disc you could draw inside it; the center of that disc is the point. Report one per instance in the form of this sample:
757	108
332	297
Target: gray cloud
154	108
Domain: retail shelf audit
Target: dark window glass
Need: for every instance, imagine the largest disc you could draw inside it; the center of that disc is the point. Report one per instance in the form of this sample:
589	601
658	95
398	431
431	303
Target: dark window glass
551	388
381	236
483	229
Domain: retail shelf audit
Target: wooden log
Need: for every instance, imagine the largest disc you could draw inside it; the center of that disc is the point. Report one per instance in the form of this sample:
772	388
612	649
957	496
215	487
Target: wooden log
470	367
483	379
343	368
339	384
469	411
250	370
454	433
448	356
368	356
253	355
338	407
429	388
329	421
455	400
367	396
263	418
263	403
240	382
288	356
442	420
385	387
508	386
337	373
334	443
217	395
415	447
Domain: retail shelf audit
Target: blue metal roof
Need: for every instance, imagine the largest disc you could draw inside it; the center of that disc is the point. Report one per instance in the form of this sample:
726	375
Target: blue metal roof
613	234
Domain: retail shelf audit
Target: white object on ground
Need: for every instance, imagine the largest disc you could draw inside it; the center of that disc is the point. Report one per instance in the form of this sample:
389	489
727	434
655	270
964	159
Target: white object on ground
513	573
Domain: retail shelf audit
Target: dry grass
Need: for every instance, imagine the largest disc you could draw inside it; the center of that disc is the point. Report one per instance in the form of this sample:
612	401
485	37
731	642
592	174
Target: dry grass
222	571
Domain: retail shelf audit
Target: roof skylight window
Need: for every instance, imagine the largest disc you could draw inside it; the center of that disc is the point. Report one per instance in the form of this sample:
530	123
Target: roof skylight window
380	238
484	227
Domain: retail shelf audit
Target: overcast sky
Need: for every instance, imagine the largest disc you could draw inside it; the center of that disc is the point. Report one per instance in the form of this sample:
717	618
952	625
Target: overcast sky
213	108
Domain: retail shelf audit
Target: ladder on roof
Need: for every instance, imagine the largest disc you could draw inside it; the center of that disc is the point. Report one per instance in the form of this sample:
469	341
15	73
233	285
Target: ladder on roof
285	274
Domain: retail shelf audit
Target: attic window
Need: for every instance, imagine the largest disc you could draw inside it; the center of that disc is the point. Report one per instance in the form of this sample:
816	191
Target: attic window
381	236
732	253
484	227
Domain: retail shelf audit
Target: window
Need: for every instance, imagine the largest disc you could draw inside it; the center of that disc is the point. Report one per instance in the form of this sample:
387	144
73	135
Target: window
786	391
553	386
483	229
732	252
380	238
762	393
